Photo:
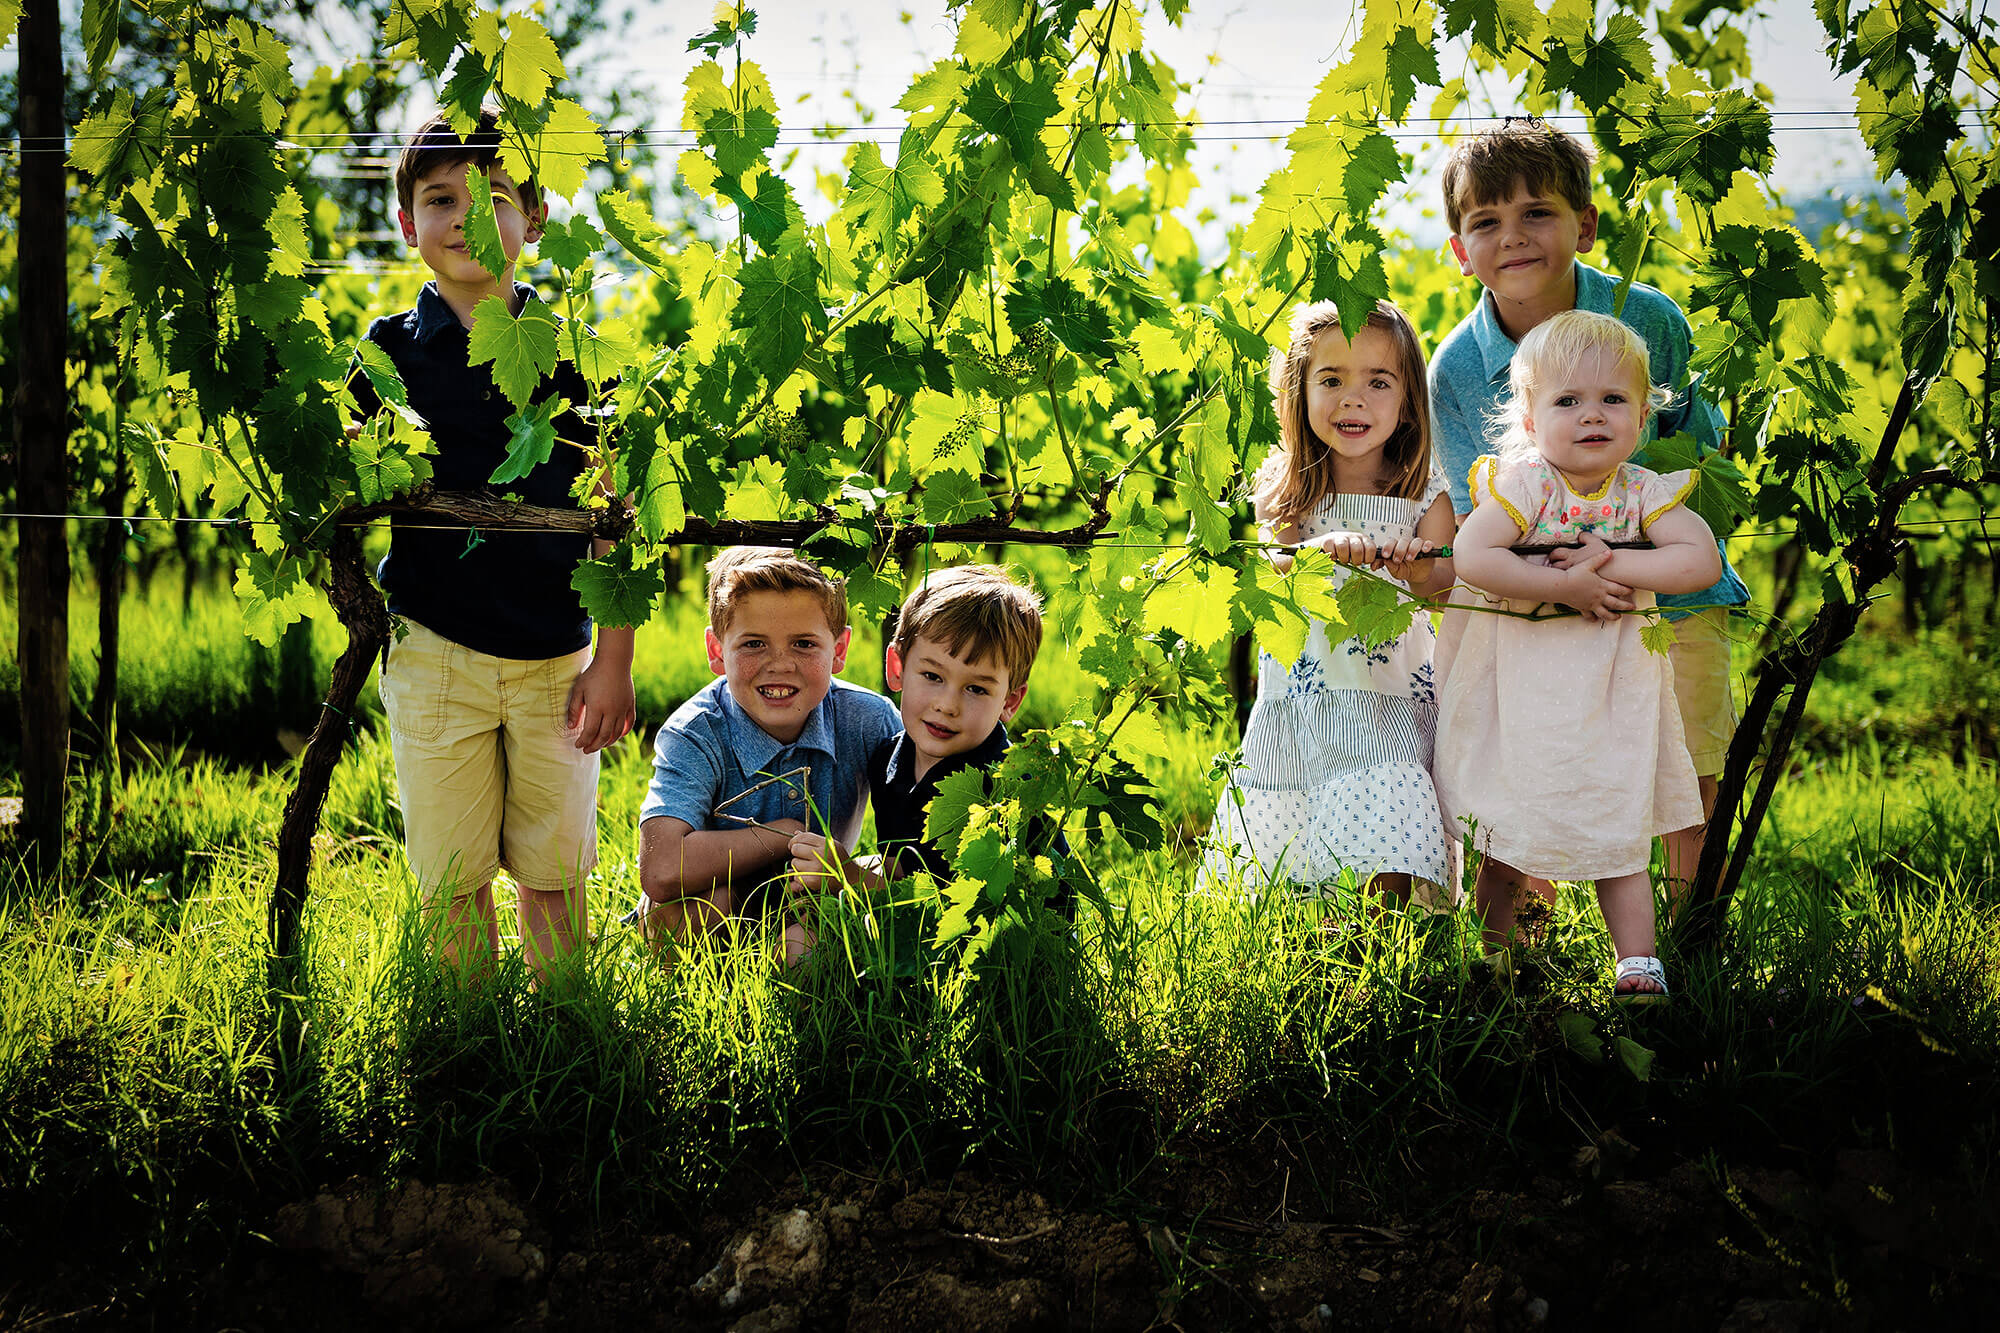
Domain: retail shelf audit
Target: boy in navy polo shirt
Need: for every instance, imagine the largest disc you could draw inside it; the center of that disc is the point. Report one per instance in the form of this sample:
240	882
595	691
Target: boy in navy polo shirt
777	748
496	705
964	645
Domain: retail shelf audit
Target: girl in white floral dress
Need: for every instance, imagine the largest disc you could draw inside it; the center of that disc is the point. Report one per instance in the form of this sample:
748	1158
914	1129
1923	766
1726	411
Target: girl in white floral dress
1335	778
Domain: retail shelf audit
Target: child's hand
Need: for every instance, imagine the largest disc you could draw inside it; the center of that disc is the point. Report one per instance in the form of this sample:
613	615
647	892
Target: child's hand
1584	589
1347	548
820	864
1399	558
602	705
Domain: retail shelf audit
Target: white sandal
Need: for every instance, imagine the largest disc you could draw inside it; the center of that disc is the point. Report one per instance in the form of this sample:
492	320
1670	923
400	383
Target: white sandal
1640	967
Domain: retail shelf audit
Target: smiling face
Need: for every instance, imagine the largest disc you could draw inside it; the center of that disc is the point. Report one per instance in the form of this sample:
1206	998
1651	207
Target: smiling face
1522	248
780	655
1354	397
435	224
1587	421
950	706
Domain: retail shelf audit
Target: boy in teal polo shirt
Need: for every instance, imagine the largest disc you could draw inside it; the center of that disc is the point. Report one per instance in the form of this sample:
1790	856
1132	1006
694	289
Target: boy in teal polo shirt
1518	201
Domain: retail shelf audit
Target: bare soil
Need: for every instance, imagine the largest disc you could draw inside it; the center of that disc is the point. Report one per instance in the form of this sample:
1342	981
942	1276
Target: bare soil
1231	1239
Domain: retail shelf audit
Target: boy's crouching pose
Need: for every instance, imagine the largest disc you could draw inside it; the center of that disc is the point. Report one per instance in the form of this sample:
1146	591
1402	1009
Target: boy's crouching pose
964	644
775	748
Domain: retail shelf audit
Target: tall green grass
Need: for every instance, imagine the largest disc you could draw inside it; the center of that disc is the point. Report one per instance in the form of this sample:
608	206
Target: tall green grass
148	1077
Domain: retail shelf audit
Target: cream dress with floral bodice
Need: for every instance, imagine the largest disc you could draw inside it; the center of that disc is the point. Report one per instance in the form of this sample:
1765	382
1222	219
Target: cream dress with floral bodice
1336	757
1559	744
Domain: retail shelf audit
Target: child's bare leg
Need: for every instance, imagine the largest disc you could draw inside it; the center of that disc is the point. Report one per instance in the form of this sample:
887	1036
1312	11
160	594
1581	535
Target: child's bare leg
799	941
1683	848
1627	904
1392	886
468	931
1496	892
551	925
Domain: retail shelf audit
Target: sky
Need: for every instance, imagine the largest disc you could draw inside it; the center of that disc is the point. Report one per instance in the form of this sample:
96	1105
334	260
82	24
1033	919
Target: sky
1254	67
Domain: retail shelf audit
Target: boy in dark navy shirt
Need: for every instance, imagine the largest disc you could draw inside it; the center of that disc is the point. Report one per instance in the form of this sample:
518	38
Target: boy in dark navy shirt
496	705
964	644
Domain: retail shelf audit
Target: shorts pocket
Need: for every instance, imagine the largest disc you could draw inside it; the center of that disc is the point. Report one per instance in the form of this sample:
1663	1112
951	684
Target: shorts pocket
562	674
416	682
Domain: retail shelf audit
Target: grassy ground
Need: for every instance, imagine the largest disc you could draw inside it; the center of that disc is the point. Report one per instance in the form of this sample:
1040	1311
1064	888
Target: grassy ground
156	1099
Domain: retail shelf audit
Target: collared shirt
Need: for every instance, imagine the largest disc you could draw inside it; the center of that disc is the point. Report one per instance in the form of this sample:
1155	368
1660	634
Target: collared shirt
507	594
1469	384
902	803
709	751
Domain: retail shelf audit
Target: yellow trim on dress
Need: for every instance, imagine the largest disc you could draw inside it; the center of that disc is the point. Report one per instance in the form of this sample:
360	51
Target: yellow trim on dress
1493	486
1679	496
1602	491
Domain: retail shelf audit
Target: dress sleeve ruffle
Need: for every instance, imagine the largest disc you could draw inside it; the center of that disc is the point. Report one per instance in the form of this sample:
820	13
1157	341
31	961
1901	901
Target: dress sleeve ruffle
1659	493
1514	486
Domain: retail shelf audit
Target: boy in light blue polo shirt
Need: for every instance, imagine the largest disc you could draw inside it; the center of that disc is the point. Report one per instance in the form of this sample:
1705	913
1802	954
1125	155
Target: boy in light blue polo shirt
1518	201
776	747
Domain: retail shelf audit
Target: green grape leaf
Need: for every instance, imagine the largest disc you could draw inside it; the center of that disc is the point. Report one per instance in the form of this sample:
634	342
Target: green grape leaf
100	33
148	452
1748	271
766	205
881	195
529	62
631	224
1658	636
1495	26
1194	604
1908	131
470	85
601	353
522	350
620	589
531	438
122	140
1700	142
1579	1032
1637	1059
726	32
1409	61
738	125
384	378
954	497
780	304
381	471
274	593
1015	109
1375	610
482	225
1078	323
951	809
1591	66
10	19
569	244
560	152
1348	271
880	359
272	303
1721	491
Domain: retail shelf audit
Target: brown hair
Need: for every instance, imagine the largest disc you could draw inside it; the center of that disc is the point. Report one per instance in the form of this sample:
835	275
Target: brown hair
437	144
1299	473
741	570
1525	150
975	612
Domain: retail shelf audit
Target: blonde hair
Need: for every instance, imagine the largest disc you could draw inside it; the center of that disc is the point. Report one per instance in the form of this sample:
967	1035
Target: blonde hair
1299	472
1525	150
742	570
974	612
1547	354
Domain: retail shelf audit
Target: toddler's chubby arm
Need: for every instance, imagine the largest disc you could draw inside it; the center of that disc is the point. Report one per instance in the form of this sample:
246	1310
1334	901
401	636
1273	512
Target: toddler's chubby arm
1683	558
1483	560
677	860
823	865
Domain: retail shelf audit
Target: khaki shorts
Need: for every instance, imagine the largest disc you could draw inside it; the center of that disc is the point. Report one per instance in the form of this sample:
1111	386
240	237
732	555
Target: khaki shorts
486	774
1700	657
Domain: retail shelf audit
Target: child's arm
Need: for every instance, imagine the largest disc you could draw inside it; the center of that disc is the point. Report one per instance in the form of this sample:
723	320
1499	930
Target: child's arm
821	865
602	703
1409	558
1483	560
1683	558
676	860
